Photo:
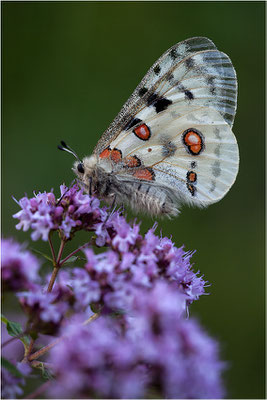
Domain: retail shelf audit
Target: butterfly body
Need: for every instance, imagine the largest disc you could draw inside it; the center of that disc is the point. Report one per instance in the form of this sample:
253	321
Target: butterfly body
172	142
100	179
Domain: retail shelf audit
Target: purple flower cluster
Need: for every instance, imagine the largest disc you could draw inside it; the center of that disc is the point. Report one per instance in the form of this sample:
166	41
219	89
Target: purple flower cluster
19	268
142	344
45	310
155	351
44	213
131	260
109	278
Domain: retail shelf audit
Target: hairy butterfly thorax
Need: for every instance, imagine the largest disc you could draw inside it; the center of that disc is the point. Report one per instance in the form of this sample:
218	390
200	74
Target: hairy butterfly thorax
172	142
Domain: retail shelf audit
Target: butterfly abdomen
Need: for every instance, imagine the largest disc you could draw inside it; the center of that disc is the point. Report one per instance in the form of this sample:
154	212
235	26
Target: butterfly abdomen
146	198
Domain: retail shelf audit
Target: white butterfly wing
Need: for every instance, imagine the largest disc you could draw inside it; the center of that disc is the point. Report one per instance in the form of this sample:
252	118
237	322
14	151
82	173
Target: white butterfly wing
201	178
176	127
192	67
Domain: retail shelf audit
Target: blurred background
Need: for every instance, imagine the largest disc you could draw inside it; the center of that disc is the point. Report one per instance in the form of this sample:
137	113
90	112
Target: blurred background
68	67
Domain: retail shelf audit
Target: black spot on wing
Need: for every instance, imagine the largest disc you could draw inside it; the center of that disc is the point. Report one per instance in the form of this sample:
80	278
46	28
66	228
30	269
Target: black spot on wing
157	69
173	54
142	91
169	77
160	103
189	95
213	90
210	82
133	121
189	62
152	98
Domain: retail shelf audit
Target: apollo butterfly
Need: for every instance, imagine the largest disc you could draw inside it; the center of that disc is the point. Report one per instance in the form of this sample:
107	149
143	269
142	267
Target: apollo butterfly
172	142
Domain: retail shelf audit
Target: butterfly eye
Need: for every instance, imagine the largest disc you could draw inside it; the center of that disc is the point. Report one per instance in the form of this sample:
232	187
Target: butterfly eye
80	168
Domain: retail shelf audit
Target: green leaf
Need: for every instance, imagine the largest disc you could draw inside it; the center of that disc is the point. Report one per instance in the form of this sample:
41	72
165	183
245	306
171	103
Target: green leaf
47	374
71	259
10	367
33	335
14	329
4	319
96	308
42	254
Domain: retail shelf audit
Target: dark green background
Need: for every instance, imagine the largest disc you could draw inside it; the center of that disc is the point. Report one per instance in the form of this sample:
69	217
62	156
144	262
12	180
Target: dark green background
67	69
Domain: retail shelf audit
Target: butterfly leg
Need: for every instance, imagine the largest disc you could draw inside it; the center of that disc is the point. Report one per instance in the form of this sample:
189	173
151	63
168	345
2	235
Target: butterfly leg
90	186
112	207
66	191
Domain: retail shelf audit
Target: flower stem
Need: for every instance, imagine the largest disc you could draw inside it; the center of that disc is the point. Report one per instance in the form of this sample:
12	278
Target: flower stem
92	318
53	278
56	267
62	244
45	349
74	252
27	351
52	247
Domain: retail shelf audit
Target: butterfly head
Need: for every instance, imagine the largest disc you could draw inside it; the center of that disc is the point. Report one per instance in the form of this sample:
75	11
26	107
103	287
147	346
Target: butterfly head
84	169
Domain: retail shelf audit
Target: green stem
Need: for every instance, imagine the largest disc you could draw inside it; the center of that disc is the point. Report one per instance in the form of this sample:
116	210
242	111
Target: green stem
62	244
44	350
56	267
92	318
73	253
27	351
51	247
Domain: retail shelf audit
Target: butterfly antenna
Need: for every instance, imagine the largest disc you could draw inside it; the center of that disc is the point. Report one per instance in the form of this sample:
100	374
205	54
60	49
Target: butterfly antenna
65	147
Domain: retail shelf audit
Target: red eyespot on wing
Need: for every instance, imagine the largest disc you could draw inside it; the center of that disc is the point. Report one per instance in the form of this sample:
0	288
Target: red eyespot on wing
146	174
105	153
142	132
132	161
116	155
191	176
193	140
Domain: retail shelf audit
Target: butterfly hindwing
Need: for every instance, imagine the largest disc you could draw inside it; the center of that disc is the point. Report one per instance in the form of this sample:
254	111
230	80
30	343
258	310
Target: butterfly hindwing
197	141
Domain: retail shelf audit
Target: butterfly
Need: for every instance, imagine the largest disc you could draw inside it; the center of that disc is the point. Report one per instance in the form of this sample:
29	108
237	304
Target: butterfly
172	142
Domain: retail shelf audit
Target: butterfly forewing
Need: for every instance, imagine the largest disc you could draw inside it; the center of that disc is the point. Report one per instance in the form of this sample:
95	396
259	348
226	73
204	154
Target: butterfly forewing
156	73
